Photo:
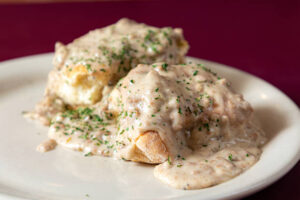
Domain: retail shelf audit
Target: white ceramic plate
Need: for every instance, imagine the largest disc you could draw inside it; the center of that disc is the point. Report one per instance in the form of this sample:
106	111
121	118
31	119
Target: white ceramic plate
62	174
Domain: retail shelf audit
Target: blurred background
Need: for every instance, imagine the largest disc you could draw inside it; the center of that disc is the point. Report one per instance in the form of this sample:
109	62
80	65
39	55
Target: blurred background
261	37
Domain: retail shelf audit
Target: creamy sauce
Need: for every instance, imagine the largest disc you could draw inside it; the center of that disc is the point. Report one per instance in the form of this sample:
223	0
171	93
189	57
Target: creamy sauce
206	167
183	117
87	68
205	131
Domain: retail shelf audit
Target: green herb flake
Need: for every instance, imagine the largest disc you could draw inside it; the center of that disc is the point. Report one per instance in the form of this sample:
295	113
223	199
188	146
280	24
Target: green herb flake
179	110
84	111
165	66
169	160
195	73
85	136
88	67
230	157
154	48
97	118
122	132
88	154
206	125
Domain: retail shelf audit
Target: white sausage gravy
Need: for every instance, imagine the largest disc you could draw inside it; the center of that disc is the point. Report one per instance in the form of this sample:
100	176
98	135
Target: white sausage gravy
206	128
122	92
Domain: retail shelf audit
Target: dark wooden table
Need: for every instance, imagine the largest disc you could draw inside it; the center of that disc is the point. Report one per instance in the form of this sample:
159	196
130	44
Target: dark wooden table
260	37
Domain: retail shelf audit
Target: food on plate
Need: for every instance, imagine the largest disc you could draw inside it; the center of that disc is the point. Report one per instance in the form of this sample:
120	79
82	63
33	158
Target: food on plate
87	68
183	117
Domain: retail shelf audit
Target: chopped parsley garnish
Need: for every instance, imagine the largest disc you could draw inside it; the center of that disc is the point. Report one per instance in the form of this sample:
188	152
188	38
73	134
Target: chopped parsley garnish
179	110
97	118
85	136
165	66
156	90
88	67
195	73
85	111
169	160
168	38
88	154
132	81
154	48
230	157
206	125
